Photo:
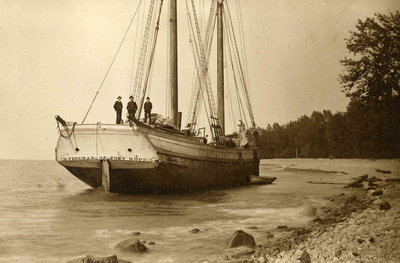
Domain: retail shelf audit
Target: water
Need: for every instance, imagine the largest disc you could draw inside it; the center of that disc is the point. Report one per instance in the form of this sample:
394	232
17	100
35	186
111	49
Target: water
49	216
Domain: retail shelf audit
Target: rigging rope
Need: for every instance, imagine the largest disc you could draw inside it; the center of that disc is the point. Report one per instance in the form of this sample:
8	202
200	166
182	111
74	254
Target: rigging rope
143	54
195	105
243	44
241	69
150	60
112	62
133	56
200	94
232	58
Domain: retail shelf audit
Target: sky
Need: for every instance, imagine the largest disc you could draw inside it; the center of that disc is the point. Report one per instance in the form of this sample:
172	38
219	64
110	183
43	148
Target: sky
54	55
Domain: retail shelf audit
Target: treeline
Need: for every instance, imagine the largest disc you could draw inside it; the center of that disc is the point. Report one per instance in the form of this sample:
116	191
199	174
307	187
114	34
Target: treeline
370	128
363	131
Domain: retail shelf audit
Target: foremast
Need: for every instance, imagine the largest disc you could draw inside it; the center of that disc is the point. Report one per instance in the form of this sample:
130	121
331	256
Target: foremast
220	69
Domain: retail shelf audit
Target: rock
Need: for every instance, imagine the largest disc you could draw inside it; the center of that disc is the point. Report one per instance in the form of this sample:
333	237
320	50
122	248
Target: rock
239	252
151	243
360	240
384	206
338	253
355	254
92	259
240	238
282	227
132	245
305	257
269	235
377	192
371	240
124	261
252	227
195	230
135	233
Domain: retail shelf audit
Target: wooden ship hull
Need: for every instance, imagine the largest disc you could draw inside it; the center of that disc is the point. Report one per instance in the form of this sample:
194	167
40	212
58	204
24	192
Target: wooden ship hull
142	158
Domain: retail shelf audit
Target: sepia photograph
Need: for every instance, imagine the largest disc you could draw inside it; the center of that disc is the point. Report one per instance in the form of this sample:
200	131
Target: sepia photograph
205	131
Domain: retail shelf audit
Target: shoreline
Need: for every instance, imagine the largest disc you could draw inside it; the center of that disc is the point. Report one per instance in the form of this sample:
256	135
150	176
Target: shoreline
362	225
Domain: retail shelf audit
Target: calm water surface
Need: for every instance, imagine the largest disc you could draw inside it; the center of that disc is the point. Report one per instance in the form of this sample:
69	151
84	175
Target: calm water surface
49	216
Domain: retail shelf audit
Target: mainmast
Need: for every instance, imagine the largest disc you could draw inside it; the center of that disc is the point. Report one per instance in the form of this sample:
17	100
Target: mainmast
173	53
220	69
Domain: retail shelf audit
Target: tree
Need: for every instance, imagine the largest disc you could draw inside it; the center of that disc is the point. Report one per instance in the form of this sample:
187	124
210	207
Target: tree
373	74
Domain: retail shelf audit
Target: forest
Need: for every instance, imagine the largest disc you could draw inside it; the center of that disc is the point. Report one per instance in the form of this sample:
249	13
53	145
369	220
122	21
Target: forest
370	126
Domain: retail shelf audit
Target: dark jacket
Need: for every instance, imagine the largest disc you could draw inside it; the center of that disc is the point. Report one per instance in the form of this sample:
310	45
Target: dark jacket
132	107
118	106
148	106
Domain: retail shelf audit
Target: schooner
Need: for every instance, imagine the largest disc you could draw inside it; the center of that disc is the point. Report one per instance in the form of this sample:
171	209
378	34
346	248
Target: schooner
137	156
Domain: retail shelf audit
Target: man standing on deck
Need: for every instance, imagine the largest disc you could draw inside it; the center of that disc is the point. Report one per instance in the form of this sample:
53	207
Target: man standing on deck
132	108
118	109
147	110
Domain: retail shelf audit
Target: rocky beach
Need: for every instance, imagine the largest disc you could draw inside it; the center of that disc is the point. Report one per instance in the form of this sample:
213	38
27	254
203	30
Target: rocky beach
360	226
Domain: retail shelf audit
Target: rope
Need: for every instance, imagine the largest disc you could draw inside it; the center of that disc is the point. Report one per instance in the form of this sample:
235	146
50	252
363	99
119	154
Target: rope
68	136
247	96
150	60
133	56
244	54
232	57
112	62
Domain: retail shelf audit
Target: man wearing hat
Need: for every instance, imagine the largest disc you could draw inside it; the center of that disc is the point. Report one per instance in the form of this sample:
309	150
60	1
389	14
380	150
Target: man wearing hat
132	108
118	109
147	110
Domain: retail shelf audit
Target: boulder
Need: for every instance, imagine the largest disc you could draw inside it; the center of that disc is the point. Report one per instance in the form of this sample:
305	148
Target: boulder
240	238
131	245
384	206
305	257
92	259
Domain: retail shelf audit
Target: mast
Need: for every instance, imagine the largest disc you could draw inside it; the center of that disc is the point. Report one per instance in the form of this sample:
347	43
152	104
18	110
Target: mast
220	69
173	53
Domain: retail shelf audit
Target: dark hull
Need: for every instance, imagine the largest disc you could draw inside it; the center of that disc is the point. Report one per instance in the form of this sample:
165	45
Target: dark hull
186	176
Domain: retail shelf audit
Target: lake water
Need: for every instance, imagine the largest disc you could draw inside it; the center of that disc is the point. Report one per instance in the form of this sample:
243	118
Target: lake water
47	215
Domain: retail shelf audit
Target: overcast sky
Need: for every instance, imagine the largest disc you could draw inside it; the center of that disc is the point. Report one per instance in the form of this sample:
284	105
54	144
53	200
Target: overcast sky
54	54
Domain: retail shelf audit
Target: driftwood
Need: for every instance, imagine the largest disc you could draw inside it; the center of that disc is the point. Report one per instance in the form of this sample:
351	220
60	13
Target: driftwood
358	182
311	182
383	171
